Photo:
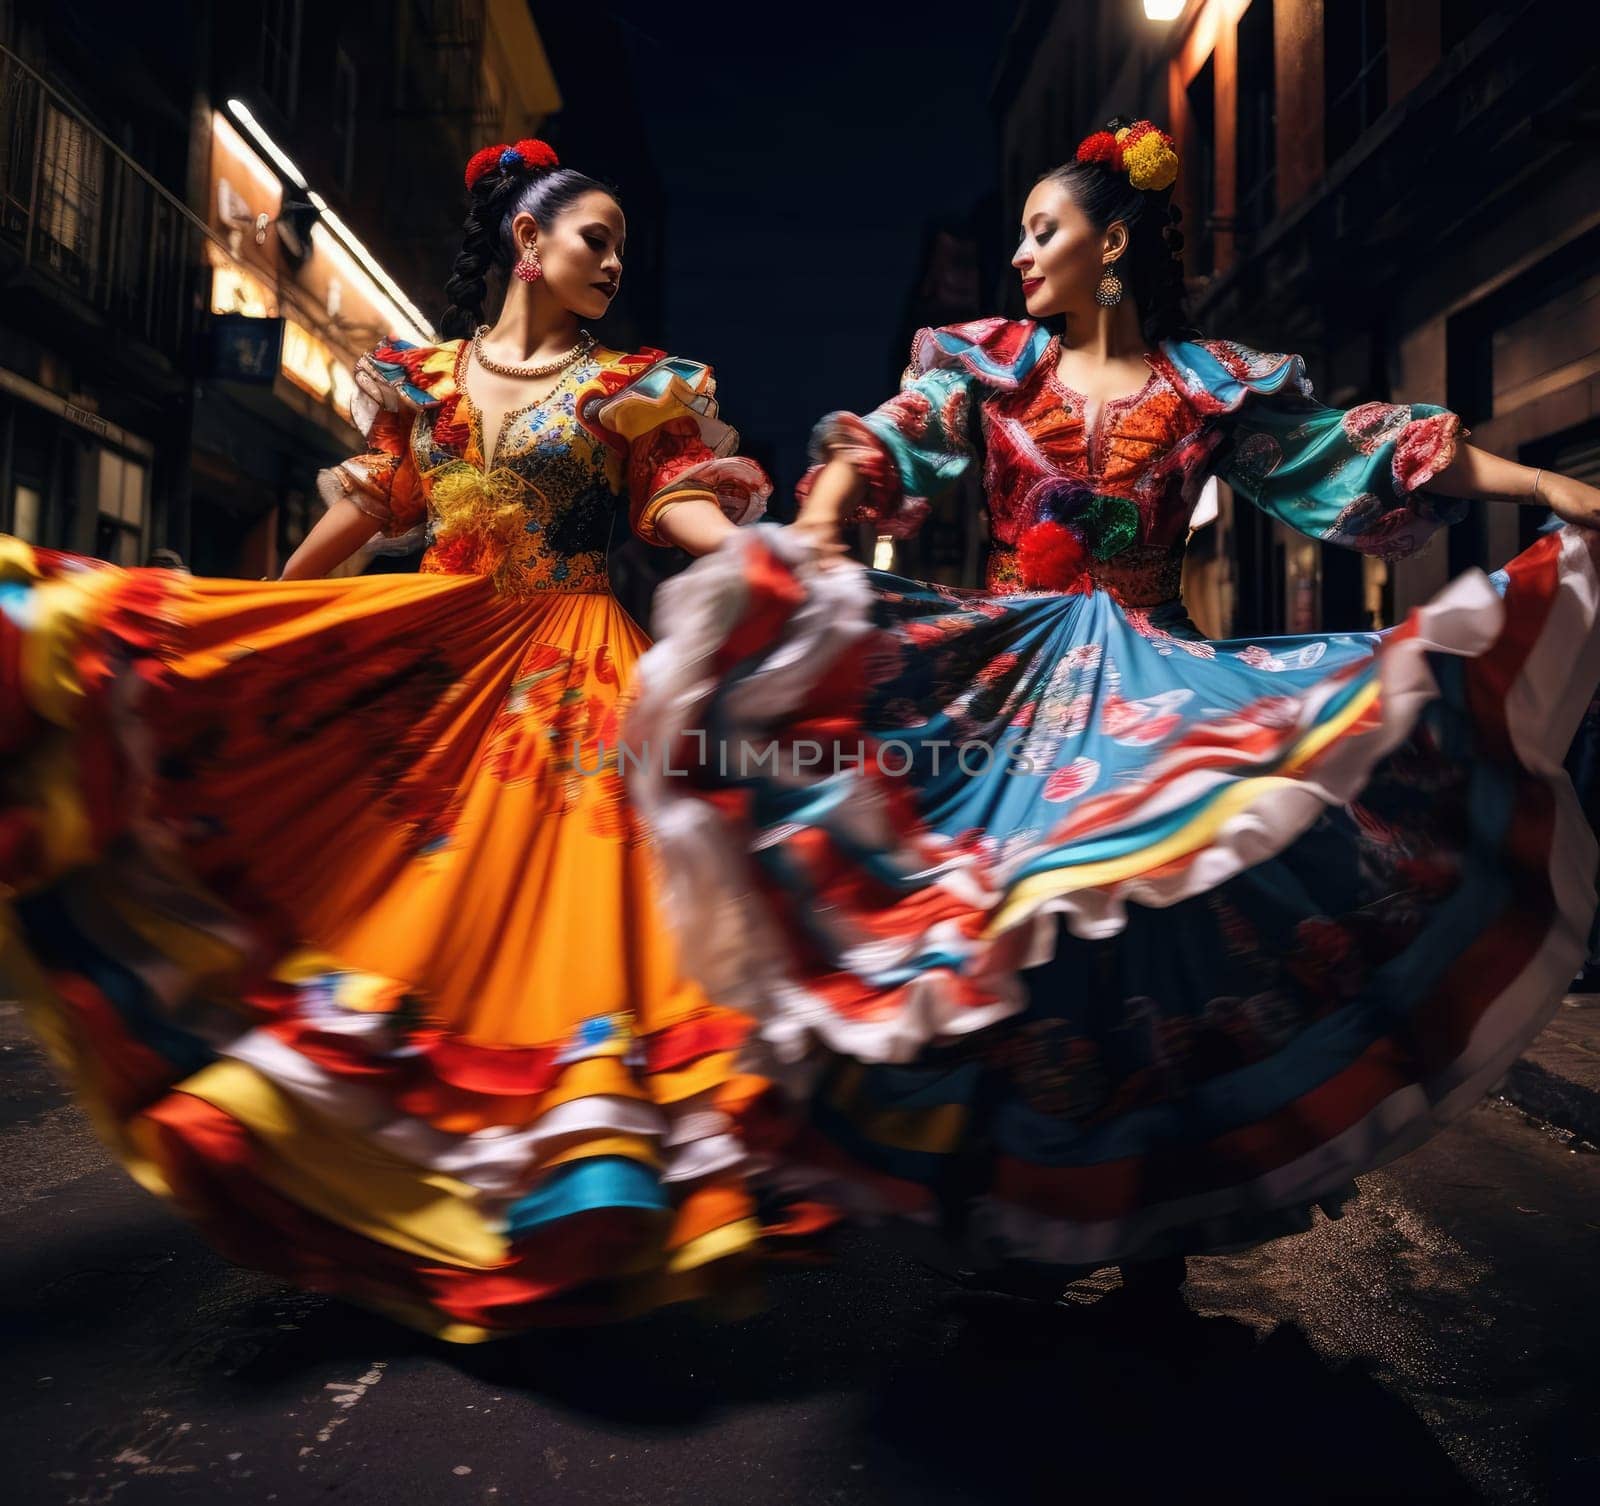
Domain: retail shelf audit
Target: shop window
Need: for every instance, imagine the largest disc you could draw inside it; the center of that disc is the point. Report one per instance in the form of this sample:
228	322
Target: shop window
119	527
1356	63
27	513
69	193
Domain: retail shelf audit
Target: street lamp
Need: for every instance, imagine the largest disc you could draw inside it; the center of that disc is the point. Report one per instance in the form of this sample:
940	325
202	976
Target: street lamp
1163	10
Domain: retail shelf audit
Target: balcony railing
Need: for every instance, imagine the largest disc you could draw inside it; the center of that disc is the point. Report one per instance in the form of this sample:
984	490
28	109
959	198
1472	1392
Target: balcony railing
83	215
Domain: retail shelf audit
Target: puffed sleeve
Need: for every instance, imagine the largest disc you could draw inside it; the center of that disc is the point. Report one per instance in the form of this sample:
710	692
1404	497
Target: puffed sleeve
924	438
676	447
383	480
1356	477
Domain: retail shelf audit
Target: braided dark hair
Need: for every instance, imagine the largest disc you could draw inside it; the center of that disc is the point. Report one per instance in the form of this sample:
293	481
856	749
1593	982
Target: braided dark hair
1152	266
497	197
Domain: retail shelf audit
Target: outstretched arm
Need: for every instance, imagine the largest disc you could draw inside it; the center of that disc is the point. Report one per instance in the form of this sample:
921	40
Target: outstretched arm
834	495
335	536
695	523
1478	474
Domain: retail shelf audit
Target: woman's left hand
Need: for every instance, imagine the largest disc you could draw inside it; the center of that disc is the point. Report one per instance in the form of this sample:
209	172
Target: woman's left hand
1571	501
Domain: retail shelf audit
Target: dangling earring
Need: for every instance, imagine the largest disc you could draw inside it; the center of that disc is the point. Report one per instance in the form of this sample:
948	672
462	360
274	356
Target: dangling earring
1108	291
530	268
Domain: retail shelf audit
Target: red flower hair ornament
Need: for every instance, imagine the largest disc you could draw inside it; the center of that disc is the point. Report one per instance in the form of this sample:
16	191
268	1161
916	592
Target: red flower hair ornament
1101	147
530	155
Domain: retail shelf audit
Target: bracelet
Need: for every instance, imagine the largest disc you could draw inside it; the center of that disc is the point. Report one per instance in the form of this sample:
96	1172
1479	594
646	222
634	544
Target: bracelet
1533	491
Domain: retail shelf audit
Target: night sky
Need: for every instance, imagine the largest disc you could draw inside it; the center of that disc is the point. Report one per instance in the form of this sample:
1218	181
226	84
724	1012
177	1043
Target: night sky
800	182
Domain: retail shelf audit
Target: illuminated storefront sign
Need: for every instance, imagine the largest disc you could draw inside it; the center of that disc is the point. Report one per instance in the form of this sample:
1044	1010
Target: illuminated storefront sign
235	291
246	349
306	360
314	316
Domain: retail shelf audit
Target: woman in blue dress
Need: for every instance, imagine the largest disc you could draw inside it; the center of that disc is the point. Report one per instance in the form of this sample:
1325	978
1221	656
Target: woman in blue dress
1076	938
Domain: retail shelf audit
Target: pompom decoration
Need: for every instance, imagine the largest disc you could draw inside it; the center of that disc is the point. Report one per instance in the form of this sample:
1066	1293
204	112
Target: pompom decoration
1101	148
530	153
1142	150
1149	158
1052	557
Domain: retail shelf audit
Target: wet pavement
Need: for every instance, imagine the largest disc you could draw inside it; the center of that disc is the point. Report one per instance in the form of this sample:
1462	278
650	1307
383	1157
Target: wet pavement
1437	1343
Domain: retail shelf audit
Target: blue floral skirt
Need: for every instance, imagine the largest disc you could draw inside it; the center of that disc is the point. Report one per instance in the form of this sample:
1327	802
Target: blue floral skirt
1076	937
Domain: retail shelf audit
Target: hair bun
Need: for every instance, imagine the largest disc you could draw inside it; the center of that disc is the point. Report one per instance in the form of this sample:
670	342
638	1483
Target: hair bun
528	155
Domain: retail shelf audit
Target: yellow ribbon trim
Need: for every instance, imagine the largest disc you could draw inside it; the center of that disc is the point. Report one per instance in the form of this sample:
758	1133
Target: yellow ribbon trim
1034	891
649	519
631	1147
346	1179
715	1244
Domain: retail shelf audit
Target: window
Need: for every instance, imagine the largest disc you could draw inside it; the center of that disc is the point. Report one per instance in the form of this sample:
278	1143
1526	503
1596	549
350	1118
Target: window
344	120
119	527
1356	70
69	192
280	52
1202	96
26	508
1258	119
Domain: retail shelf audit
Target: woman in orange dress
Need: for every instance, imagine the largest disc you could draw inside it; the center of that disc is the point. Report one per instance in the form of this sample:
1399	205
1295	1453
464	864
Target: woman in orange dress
325	892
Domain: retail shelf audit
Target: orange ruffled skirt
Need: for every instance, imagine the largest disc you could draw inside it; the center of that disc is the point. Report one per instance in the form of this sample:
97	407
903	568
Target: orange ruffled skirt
327	896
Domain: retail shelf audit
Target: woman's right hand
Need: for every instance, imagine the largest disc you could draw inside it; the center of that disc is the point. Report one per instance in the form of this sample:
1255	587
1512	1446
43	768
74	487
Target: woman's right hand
334	537
1571	500
833	494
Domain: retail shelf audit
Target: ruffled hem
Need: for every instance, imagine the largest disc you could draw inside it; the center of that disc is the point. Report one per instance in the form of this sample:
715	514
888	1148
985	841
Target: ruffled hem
670	391
1000	352
363	480
1220	376
995	925
1260	1147
1426	447
399	377
737	485
314	1117
885	503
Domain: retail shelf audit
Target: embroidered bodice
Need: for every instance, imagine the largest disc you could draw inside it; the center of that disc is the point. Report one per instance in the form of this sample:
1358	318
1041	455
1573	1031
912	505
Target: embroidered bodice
1128	472
639	431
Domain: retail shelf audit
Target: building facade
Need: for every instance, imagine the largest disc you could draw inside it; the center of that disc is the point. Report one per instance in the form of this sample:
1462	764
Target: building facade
100	277
197	245
330	148
1405	191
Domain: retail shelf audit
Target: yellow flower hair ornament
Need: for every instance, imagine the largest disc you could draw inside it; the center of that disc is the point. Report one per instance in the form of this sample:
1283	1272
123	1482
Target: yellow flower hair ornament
1142	150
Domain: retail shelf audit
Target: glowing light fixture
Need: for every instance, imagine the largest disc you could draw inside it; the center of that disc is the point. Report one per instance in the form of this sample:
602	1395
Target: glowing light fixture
1163	10
266	143
240	151
410	320
883	553
370	263
403	319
